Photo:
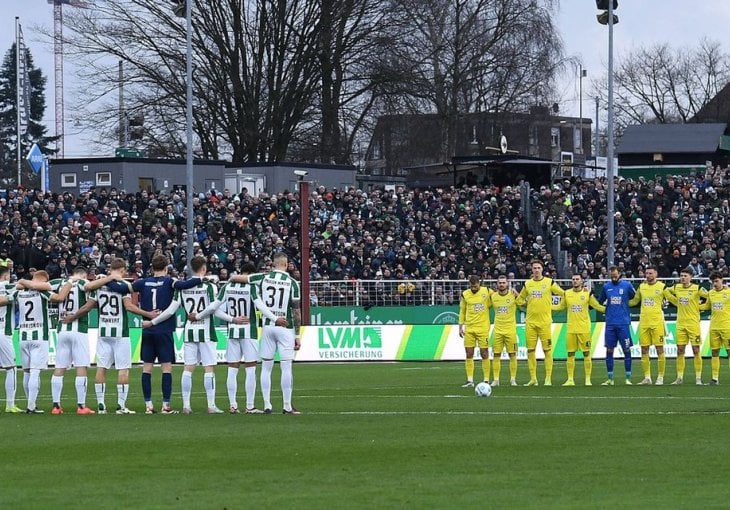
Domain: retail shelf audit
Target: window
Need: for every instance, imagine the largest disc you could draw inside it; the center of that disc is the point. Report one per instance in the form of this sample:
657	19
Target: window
68	180
103	178
555	137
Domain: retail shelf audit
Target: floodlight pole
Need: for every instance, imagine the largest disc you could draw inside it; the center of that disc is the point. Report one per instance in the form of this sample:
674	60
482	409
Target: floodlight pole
304	247
189	128
609	153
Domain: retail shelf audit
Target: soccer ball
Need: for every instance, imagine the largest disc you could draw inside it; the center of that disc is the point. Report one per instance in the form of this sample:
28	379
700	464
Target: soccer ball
483	389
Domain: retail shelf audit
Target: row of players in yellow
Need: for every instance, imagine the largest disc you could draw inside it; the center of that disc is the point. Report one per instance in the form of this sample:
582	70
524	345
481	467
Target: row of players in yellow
688	297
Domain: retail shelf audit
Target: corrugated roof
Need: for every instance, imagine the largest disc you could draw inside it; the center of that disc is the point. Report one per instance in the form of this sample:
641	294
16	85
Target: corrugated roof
671	138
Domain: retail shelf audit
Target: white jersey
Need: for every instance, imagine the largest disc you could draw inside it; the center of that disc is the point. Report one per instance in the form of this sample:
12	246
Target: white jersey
238	298
113	320
6	311
76	298
279	292
196	300
34	322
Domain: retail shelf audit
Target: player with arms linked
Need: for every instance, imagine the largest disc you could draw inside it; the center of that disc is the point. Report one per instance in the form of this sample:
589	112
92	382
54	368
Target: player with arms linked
615	296
280	293
687	297
156	293
238	304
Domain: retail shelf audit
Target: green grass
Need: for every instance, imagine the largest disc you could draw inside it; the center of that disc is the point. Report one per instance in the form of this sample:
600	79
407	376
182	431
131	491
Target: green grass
383	436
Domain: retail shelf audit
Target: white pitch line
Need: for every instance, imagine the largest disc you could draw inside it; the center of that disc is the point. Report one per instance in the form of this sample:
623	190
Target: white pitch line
526	397
518	413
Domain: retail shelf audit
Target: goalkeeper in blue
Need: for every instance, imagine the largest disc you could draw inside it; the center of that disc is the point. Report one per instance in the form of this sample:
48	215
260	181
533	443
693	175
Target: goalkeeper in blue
615	296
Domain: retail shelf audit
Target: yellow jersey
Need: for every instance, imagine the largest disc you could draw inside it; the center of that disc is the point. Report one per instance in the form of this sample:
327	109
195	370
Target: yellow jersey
538	296
474	309
651	297
505	308
718	302
687	300
577	304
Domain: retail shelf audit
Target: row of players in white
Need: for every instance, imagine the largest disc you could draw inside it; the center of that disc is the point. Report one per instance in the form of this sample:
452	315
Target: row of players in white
235	303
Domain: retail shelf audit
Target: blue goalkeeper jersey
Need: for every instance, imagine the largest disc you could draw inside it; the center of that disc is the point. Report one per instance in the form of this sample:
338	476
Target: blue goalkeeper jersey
616	297
156	293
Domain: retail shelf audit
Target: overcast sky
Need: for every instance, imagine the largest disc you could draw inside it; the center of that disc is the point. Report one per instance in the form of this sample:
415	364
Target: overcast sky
642	22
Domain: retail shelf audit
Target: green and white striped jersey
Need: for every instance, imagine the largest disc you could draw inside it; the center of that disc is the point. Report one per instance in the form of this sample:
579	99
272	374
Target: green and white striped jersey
34	322
113	321
77	297
279	292
238	299
6	311
196	300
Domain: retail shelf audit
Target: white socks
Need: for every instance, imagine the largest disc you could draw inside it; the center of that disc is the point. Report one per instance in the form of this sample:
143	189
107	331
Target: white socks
100	389
10	382
81	390
232	385
287	382
187	387
34	386
266	368
250	387
209	385
122	392
56	388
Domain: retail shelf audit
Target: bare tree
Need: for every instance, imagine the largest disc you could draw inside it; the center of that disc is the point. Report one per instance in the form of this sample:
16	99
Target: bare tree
255	72
454	57
662	84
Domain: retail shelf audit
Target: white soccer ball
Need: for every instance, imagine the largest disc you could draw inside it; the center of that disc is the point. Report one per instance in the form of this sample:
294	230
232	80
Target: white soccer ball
483	389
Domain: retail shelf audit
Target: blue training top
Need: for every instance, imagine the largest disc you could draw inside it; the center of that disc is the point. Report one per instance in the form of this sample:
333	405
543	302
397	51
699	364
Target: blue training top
616	297
156	293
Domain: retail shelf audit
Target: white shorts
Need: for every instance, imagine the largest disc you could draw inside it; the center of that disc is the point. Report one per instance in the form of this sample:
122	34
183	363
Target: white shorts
242	349
276	338
7	352
72	347
114	351
199	352
34	354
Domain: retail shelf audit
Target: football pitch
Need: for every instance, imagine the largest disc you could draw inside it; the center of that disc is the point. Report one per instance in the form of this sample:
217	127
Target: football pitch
383	435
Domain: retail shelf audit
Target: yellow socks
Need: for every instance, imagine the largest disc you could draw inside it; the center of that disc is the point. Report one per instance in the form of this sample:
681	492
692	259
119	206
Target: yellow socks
715	364
570	363
588	366
680	365
646	365
532	365
698	365
485	368
513	368
496	367
469	364
549	365
662	364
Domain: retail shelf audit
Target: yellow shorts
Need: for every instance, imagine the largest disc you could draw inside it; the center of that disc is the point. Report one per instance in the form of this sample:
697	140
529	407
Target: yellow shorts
689	336
474	338
503	341
578	342
651	336
719	338
541	331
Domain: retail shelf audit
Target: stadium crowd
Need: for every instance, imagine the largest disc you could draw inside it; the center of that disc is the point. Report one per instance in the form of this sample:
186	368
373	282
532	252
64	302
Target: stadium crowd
419	234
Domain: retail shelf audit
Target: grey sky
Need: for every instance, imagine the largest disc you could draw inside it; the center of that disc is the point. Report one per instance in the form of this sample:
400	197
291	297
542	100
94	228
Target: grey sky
642	22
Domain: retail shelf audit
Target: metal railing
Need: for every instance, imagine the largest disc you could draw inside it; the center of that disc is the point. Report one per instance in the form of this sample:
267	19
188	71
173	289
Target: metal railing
418	292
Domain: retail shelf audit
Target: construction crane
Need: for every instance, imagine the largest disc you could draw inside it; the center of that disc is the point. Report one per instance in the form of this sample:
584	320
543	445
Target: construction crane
58	64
